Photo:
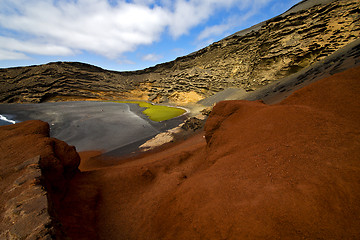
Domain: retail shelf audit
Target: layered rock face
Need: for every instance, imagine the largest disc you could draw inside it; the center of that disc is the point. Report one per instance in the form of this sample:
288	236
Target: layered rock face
282	46
69	80
248	59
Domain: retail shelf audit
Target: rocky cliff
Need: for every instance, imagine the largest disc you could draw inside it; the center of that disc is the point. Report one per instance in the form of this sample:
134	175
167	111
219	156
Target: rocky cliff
248	59
35	172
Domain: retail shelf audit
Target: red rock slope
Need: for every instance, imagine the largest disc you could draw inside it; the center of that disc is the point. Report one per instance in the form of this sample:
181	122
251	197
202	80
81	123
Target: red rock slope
285	171
23	147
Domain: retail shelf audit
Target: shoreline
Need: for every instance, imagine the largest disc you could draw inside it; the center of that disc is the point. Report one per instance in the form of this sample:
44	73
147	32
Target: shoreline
136	149
84	124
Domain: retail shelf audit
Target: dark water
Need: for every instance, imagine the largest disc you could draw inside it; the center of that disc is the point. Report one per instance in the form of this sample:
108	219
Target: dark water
90	125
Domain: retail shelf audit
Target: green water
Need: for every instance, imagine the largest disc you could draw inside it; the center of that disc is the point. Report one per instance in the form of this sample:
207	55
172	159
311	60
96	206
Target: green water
157	113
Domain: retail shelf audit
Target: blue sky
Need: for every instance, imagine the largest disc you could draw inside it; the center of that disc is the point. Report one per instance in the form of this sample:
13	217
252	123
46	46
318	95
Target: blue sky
121	34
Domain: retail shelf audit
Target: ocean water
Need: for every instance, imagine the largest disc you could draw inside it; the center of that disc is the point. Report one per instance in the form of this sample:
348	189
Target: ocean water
104	126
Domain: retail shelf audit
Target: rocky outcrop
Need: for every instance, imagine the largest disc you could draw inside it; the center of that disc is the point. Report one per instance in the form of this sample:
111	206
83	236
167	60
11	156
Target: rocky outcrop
193	124
26	213
282	46
345	58
35	173
249	59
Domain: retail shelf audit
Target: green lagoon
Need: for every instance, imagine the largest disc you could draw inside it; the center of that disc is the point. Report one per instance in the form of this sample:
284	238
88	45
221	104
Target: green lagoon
157	113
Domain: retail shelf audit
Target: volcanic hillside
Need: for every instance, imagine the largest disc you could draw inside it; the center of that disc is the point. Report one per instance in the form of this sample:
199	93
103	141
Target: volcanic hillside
284	171
249	59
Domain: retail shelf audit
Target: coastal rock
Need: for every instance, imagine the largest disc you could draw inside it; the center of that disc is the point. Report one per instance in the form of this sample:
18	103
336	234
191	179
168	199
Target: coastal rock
193	124
206	111
248	60
34	188
26	213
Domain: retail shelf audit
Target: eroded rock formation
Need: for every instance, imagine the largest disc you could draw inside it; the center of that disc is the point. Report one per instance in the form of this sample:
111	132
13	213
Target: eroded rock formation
272	50
35	173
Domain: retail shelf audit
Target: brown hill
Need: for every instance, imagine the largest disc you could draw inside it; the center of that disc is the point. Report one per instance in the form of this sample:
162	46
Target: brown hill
284	171
248	59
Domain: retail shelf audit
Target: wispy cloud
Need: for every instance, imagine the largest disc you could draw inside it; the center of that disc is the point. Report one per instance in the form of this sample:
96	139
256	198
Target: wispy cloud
11	55
104	27
215	30
188	14
152	57
12	44
232	22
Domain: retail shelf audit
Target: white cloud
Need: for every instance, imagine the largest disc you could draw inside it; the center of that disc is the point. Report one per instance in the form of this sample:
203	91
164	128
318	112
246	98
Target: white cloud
11	55
105	27
33	47
91	25
152	57
215	30
144	2
188	14
208	34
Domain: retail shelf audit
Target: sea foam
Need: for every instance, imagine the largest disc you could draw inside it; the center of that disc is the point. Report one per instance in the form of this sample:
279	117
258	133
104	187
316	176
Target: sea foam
3	118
